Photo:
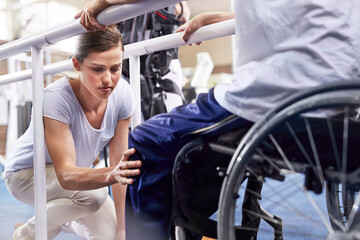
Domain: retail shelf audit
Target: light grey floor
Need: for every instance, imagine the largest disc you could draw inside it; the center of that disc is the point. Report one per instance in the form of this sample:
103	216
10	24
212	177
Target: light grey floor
13	211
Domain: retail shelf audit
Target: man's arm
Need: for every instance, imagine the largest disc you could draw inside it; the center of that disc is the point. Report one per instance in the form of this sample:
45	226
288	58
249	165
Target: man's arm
201	20
88	14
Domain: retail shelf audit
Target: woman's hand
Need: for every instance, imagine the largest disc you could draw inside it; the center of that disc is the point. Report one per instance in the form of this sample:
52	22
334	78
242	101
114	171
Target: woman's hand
126	169
88	15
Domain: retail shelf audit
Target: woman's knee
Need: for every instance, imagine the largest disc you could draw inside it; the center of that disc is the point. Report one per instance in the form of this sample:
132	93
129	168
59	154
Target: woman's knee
100	225
92	199
21	185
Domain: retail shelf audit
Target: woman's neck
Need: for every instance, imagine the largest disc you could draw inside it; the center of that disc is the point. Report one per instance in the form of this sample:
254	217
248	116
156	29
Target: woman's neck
88	101
94	108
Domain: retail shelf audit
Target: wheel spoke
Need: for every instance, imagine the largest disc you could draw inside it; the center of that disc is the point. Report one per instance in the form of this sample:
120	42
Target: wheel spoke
300	145
333	143
301	188
281	152
315	152
344	155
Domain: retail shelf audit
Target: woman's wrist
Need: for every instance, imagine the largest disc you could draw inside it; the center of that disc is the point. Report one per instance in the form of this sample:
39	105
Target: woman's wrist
101	5
110	178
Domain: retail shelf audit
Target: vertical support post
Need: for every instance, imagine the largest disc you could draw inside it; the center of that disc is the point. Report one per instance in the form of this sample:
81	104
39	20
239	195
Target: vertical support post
39	148
233	41
135	85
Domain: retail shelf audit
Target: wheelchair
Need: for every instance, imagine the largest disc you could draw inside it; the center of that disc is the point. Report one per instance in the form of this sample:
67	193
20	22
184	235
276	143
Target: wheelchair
292	175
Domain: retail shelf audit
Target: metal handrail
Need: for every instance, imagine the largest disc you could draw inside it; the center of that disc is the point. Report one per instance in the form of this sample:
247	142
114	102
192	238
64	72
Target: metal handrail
36	43
212	31
110	15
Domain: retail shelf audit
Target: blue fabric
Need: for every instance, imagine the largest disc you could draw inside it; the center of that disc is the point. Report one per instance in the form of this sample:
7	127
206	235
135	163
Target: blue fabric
157	141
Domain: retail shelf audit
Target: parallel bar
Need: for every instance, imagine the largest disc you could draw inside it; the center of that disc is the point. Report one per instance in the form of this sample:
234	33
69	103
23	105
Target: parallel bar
216	30
39	148
112	14
35	43
26	74
208	32
118	13
233	41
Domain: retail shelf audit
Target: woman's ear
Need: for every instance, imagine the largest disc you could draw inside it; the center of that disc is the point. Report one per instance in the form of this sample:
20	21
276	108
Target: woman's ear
76	63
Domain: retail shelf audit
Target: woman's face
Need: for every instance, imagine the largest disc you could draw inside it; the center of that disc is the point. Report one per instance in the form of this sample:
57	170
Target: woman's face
101	71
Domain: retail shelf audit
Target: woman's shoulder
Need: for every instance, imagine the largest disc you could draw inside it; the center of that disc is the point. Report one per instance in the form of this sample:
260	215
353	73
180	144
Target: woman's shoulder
123	82
60	87
58	102
122	88
58	83
123	99
59	93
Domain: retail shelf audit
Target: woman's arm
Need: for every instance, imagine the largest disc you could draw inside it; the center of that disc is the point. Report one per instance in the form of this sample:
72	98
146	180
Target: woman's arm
117	146
88	14
61	148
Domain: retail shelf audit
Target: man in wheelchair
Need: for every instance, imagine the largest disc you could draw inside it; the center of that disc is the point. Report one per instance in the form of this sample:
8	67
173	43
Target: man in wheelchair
282	48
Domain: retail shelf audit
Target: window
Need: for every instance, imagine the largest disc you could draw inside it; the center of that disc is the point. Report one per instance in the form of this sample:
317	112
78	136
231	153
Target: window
29	17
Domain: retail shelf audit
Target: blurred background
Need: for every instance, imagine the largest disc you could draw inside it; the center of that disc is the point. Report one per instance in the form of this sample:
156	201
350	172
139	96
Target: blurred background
23	18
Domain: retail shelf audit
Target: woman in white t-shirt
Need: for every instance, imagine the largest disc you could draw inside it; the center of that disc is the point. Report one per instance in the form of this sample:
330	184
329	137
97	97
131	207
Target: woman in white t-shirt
81	116
283	47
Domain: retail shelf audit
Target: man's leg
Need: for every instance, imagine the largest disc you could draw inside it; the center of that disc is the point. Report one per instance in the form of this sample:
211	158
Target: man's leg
157	142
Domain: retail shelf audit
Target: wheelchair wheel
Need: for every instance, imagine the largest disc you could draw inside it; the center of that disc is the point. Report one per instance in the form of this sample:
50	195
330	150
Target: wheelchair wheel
294	157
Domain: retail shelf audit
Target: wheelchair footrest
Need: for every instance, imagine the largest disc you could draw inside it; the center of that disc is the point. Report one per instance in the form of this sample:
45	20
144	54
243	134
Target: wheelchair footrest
252	213
274	222
248	230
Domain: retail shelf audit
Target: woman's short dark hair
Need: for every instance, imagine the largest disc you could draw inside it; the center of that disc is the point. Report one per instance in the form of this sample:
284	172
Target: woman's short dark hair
98	41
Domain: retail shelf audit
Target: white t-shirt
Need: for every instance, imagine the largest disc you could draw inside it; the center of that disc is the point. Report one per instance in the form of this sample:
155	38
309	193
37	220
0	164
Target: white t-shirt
61	104
285	46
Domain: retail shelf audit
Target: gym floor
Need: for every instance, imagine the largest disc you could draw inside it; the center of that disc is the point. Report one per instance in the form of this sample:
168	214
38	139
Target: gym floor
13	211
